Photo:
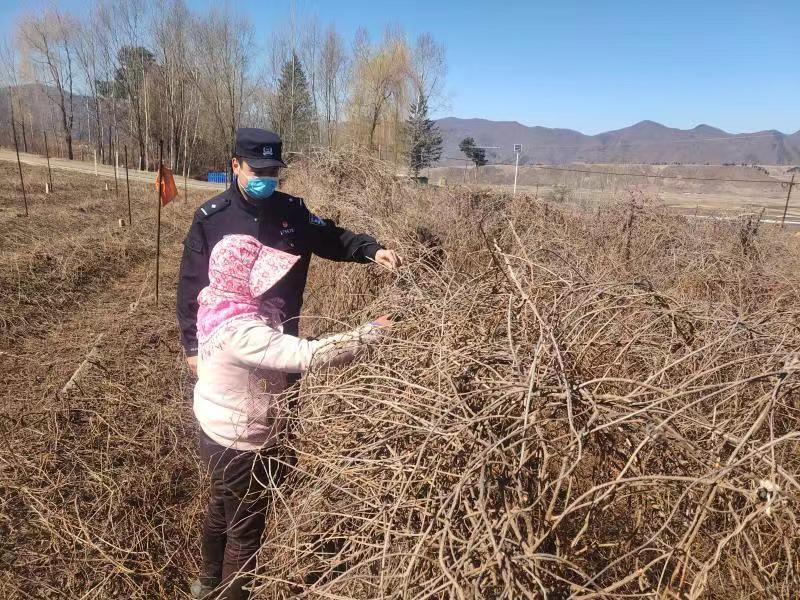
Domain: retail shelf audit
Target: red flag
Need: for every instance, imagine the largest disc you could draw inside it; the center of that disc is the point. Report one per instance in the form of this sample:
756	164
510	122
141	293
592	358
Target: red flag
166	186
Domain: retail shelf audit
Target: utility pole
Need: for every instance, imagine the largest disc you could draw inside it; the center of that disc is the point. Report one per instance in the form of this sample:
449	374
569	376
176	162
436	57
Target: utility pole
517	150
788	195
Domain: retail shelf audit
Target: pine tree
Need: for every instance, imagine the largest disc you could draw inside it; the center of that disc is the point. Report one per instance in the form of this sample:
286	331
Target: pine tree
474	153
424	139
292	112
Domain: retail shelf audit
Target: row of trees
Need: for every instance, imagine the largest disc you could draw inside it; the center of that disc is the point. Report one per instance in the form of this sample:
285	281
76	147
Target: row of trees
136	71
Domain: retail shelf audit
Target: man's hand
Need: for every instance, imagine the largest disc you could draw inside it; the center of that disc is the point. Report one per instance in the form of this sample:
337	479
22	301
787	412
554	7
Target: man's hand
191	362
388	259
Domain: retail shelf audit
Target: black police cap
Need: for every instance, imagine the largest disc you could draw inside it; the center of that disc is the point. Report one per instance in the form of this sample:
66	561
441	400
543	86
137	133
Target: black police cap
259	147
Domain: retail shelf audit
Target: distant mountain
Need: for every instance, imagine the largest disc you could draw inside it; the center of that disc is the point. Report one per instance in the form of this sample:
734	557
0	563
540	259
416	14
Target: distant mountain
644	142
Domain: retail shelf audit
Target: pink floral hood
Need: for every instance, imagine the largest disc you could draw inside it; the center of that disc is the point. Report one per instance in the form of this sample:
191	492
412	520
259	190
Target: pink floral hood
240	270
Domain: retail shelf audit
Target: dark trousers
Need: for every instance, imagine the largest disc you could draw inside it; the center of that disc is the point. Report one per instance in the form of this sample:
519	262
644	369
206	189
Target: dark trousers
242	486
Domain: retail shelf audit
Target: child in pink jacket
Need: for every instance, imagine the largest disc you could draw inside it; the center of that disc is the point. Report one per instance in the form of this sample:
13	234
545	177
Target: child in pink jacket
240	404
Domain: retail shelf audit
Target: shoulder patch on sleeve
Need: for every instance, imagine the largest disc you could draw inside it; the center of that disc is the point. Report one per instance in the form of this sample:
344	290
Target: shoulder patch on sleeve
315	220
193	243
214	206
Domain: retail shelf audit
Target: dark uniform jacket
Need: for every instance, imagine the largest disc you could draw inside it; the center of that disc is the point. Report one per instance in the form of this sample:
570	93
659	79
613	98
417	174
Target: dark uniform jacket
281	221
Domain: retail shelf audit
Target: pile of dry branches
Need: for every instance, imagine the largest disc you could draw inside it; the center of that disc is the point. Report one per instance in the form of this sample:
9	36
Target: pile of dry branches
572	405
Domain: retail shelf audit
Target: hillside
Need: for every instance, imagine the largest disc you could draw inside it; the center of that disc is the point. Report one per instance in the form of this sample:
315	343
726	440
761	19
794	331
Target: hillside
644	142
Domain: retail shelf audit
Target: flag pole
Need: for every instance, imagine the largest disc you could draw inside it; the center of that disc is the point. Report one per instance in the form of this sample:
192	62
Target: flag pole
159	184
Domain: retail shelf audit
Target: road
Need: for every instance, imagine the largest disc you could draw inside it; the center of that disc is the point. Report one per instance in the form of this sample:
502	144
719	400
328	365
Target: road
102	170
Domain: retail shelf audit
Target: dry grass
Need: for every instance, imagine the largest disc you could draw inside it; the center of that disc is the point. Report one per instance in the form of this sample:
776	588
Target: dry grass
98	487
587	404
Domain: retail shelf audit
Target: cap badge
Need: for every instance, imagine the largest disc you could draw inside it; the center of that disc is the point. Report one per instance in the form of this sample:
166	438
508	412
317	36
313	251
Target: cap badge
267	151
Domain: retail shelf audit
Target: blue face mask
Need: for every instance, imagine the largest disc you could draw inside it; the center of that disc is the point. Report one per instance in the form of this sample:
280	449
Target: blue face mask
260	188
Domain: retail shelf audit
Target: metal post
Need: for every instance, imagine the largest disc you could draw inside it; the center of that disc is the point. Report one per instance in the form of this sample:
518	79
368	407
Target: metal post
516	168
158	222
128	188
47	154
788	195
19	163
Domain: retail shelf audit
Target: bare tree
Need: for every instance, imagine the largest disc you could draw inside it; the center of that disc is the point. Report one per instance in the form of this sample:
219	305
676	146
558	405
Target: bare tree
222	48
48	42
131	64
429	69
172	54
310	43
155	69
332	73
89	58
9	79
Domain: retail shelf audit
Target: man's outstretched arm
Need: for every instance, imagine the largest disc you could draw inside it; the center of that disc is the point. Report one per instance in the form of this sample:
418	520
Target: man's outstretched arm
330	241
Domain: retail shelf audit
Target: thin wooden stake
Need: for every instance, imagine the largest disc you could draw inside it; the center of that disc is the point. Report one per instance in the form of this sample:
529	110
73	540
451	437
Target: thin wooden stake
47	154
158	221
116	162
788	195
19	163
128	188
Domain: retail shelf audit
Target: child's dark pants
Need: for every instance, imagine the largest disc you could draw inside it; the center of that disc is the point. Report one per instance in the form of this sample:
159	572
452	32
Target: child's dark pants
242	485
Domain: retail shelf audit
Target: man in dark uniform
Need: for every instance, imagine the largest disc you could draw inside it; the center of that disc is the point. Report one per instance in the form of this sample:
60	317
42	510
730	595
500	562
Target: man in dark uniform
252	206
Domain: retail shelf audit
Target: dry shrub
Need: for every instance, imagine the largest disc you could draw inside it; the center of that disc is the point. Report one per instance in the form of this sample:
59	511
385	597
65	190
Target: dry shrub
573	405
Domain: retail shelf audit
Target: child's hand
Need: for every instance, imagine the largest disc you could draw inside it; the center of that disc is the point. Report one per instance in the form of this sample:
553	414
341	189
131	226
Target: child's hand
382	321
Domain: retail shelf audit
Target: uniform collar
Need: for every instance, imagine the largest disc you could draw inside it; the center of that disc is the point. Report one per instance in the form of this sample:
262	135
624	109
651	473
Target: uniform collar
256	210
238	200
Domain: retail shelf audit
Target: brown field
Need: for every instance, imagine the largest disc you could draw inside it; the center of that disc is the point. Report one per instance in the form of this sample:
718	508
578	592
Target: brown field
689	197
577	401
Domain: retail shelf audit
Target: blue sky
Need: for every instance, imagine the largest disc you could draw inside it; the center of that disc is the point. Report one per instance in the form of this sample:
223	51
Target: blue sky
586	65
